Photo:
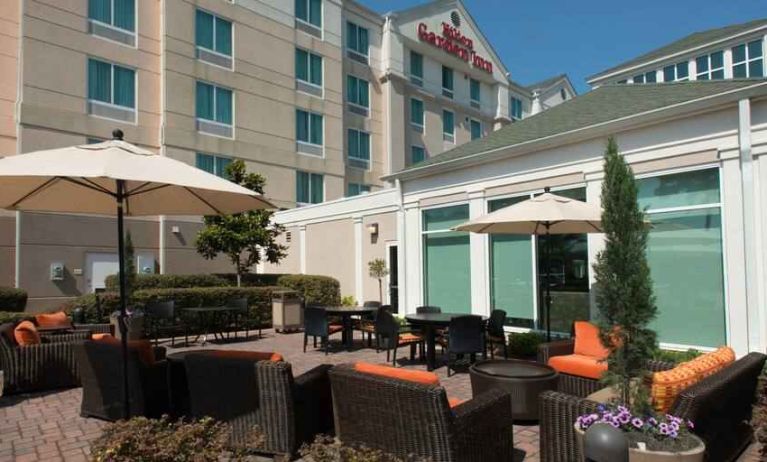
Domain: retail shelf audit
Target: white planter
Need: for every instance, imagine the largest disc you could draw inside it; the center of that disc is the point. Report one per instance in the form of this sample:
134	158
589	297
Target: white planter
635	455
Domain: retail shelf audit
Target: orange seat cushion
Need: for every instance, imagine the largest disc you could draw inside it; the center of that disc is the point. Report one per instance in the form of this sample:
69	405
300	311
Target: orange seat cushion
453	402
579	365
58	319
409	338
333	328
666	385
587	342
100	336
26	333
725	354
410	375
143	347
251	355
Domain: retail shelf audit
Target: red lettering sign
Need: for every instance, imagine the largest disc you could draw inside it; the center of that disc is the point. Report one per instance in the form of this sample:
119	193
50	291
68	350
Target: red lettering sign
455	43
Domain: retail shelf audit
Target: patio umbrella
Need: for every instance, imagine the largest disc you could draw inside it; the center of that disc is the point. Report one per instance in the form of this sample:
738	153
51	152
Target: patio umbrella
541	215
117	178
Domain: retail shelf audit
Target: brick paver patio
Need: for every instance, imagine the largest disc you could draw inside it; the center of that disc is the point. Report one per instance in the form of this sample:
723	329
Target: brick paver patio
48	427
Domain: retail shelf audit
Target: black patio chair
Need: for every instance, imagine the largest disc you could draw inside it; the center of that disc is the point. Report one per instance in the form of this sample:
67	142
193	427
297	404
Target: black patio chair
316	324
368	324
389	337
495	334
466	336
240	315
162	319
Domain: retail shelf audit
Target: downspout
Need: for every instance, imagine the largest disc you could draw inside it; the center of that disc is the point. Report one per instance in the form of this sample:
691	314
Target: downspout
401	248
161	135
17	120
386	60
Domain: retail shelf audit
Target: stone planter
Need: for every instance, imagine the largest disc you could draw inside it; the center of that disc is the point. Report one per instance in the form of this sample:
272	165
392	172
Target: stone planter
635	455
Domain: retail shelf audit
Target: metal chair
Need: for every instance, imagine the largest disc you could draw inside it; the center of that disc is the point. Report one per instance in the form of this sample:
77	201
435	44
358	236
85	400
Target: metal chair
240	315
389	337
495	333
466	336
368	324
161	318
316	324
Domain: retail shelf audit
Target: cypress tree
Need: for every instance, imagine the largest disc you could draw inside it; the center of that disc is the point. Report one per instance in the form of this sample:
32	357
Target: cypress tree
625	297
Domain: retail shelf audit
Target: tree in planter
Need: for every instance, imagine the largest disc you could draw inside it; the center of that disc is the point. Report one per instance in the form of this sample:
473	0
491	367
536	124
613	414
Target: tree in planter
625	297
377	269
241	235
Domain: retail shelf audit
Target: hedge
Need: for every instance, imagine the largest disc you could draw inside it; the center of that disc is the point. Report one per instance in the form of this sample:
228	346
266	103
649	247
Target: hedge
319	290
168	281
251	279
12	299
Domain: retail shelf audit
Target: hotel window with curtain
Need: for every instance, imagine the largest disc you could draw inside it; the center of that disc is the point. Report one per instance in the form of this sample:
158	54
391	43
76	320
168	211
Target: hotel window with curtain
356	189
416	114
685	252
359	148
309	188
676	72
748	60
710	67
474	92
309	132
417	154
213	39
475	127
213	164
113	20
447	82
416	68
308	72
516	108
111	91
214	109
357	42
358	95
309	11
448	126
446	266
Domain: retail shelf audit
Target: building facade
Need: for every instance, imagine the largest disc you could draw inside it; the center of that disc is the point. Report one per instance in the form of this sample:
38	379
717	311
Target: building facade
322	97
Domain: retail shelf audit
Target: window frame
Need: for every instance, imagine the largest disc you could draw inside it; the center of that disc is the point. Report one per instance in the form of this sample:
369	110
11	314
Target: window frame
448	92
362	189
308	19
309	54
215	103
349	157
358	93
472	121
309	128
472	84
674	68
512	105
132	33
309	175
357	28
642	78
413	147
213	50
708	73
748	59
448	136
111	104
415	78
215	158
421	127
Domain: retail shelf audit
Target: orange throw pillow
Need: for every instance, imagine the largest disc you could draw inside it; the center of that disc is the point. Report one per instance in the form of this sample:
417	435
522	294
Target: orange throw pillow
666	385
725	354
422	377
144	347
26	333
252	355
579	366
587	342
58	319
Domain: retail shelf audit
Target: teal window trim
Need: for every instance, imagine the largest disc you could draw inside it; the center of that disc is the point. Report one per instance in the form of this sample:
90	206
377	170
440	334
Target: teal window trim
748	60
475	91
710	66
221	110
216	40
309	127
119	14
110	92
359	145
357	38
309	67
212	163
417	154
310	12
310	188
416	64
448	122
447	79
516	108
358	91
475	127
417	114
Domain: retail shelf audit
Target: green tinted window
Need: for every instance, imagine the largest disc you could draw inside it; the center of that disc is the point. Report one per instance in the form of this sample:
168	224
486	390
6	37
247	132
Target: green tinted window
448	122
679	190
447	278
444	218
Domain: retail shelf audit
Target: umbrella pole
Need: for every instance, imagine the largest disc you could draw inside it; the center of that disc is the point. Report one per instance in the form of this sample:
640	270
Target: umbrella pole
548	283
122	320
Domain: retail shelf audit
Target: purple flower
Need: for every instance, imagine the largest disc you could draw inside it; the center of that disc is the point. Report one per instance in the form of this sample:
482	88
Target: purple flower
690	425
673	434
637	422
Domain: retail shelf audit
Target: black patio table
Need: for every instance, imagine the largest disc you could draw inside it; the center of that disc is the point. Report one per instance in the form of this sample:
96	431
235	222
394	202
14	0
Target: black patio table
346	313
430	322
206	317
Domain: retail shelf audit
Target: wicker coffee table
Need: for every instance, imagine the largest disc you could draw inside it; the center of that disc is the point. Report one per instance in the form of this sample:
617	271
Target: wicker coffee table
524	380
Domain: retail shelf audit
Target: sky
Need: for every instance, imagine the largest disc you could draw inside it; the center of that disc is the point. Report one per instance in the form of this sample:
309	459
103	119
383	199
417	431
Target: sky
537	39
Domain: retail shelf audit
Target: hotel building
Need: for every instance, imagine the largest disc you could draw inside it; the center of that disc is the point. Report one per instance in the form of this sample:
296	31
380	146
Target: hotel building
698	147
322	97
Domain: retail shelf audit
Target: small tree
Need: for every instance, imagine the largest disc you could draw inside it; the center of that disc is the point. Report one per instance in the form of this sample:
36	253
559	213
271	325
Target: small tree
377	269
240	236
625	296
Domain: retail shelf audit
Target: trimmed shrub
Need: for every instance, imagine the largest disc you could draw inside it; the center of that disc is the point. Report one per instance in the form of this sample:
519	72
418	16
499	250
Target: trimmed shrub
674	356
315	290
167	281
96	308
12	316
251	279
12	299
525	344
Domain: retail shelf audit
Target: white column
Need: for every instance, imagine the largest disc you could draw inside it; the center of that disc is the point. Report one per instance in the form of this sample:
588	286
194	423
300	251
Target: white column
358	264
480	303
162	244
413	260
17	253
596	242
302	247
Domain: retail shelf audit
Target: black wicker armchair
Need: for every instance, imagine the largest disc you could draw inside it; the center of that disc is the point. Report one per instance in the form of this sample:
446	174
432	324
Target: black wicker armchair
410	419
261	395
719	405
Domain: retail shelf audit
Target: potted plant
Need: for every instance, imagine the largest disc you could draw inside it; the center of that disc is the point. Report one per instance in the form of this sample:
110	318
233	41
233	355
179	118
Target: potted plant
651	438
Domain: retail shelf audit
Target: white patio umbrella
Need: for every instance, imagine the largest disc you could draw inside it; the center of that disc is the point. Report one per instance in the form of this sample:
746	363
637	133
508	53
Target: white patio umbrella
541	215
117	178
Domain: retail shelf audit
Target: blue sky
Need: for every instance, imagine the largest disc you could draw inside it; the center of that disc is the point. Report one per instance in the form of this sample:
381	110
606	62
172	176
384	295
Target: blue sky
537	39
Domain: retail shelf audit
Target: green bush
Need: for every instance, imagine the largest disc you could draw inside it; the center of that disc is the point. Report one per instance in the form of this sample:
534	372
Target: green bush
251	279
675	357
12	316
12	299
315	290
96	308
525	345
167	281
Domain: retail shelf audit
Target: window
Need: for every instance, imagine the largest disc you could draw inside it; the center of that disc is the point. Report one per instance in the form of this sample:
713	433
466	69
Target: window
309	128
214	109
476	129
357	42
113	20
310	12
416	113
516	108
447	82
213	38
308	72
448	126
213	164
417	154
359	148
748	60
562	94
416	68
710	67
309	188
356	189
622	82
647	77
358	95
686	257
474	92
111	91
446	267
676	72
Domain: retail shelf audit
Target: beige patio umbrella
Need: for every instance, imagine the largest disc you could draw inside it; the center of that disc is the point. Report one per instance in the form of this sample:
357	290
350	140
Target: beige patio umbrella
117	178
541	215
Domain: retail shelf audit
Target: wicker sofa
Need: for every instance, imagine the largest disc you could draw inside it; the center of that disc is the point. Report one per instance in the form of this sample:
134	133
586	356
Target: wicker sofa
407	418
719	405
249	393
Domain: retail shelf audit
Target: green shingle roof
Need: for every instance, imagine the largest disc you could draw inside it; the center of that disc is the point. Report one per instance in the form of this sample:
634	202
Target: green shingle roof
546	82
690	41
606	103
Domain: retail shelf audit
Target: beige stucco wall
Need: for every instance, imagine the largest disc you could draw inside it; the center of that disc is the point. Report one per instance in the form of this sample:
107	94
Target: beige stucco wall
376	248
330	252
7	250
291	264
9	46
